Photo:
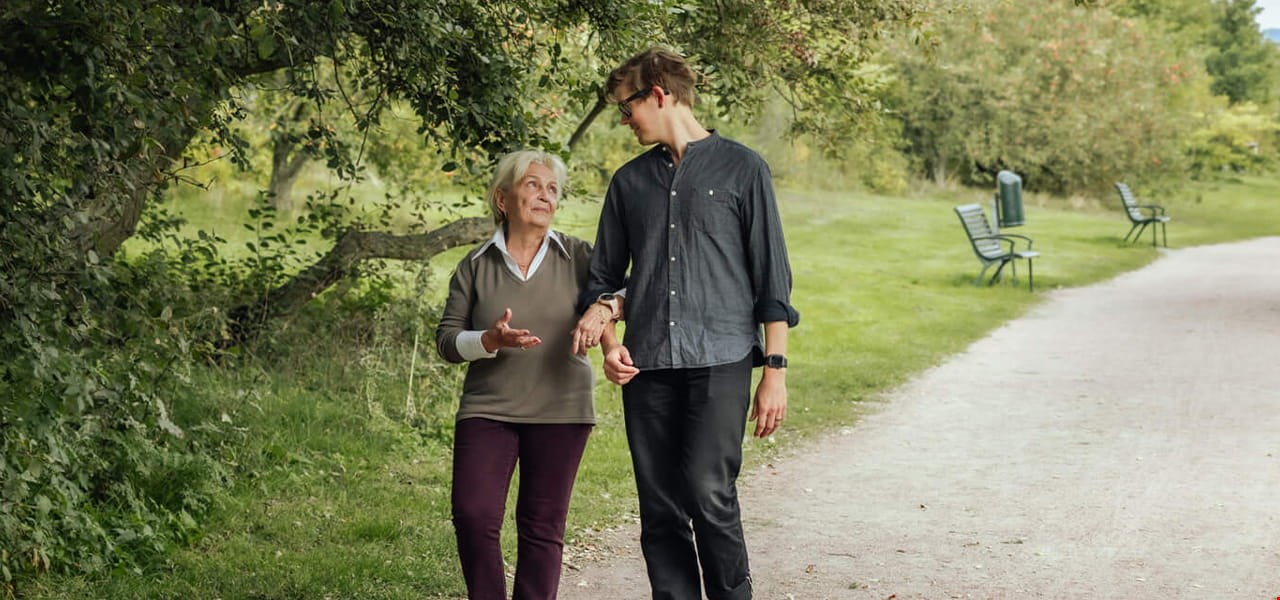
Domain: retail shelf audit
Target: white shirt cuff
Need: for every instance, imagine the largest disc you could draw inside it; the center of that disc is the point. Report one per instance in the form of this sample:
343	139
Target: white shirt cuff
468	344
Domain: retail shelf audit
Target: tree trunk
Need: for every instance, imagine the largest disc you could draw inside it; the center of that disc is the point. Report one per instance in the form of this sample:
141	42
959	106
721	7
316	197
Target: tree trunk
587	120
286	165
112	218
352	247
287	158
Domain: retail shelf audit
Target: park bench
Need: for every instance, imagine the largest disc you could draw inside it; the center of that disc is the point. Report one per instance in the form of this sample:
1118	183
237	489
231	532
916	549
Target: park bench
993	248
1142	215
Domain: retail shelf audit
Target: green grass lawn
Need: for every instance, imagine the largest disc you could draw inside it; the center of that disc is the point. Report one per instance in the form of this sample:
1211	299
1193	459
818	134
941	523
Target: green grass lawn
337	495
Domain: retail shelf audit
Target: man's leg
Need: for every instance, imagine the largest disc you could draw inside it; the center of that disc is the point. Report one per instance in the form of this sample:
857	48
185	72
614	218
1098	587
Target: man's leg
549	458
654	407
484	456
717	413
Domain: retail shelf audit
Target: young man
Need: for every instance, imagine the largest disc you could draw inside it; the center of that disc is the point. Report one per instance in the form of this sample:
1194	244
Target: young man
696	219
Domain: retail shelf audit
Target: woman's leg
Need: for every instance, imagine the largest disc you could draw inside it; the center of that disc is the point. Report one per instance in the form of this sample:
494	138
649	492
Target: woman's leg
549	458
484	456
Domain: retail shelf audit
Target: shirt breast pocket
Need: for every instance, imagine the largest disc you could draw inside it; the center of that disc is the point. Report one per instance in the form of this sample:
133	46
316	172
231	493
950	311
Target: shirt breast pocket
715	212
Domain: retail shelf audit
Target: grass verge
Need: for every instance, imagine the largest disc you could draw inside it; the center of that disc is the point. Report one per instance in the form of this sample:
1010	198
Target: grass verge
342	485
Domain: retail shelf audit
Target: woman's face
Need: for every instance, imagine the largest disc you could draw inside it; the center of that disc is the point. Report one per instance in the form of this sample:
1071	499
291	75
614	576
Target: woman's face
532	200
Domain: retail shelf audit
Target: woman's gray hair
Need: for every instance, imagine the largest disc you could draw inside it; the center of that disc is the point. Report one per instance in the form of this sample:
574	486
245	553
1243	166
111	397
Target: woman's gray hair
513	166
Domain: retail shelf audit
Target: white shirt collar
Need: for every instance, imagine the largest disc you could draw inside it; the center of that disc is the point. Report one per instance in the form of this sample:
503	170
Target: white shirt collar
499	239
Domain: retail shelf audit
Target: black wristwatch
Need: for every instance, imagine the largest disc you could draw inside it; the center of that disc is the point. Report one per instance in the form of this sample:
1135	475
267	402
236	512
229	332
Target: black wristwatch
775	361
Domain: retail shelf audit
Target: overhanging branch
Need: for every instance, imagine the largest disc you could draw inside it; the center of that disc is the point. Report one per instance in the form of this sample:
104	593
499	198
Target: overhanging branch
353	247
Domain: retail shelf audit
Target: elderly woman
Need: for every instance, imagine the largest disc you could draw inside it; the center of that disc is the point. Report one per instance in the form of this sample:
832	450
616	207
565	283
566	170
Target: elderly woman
527	398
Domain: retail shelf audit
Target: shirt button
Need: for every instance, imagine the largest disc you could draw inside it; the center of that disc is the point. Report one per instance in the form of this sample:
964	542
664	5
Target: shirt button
711	192
673	259
673	192
673	292
673	225
671	323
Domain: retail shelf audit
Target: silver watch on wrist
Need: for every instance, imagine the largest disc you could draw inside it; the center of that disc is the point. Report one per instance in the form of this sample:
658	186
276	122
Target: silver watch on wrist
612	302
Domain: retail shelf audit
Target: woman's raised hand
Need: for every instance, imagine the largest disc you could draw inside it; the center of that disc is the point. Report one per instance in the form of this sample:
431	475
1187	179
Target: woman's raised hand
501	335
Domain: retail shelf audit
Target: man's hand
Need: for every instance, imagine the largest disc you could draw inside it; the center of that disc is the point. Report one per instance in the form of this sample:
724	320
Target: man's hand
618	367
501	335
771	402
590	327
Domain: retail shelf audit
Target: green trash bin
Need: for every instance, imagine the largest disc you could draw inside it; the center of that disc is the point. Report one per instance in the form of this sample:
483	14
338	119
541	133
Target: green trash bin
1009	199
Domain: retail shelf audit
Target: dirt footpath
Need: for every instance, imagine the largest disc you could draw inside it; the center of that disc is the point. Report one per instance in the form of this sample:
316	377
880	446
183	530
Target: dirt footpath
1120	441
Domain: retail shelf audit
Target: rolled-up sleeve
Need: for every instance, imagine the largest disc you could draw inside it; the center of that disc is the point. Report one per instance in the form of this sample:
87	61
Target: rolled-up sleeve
767	253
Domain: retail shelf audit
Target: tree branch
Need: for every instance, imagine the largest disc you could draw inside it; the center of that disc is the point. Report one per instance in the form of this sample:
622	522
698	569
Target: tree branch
353	247
601	103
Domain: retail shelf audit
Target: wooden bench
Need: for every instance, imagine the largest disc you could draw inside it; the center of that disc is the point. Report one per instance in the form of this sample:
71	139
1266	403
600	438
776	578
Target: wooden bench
995	248
1142	215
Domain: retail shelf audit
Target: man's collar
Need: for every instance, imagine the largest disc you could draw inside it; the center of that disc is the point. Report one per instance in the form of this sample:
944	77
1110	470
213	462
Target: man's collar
665	150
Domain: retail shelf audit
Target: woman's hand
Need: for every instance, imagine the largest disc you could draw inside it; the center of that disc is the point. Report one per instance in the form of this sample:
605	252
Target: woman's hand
590	328
501	335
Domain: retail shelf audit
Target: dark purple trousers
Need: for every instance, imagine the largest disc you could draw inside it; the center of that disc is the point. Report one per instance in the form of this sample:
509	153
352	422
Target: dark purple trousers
485	454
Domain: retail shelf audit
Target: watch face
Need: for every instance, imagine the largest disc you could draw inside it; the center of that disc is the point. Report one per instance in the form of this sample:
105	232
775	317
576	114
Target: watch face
775	361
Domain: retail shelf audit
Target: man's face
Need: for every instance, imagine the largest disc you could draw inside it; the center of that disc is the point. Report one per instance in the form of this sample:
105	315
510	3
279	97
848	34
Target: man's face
638	111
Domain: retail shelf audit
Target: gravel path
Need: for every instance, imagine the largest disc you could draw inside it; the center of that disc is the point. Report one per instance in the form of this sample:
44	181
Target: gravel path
1119	441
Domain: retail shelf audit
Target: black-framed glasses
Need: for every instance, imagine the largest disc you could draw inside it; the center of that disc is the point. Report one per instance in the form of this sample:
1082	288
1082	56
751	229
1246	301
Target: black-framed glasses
640	95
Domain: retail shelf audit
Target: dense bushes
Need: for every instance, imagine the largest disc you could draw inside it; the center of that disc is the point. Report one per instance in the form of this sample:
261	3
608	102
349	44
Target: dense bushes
1074	98
1234	140
94	470
1071	98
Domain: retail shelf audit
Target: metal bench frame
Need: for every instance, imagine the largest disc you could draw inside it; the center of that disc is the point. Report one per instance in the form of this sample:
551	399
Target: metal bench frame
990	246
1154	216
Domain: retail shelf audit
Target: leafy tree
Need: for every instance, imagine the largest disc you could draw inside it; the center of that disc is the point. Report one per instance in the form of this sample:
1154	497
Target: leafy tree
106	105
1223	36
1070	98
1243	63
1187	21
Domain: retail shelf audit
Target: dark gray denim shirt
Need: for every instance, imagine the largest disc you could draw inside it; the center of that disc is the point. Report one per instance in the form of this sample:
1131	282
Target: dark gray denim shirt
708	263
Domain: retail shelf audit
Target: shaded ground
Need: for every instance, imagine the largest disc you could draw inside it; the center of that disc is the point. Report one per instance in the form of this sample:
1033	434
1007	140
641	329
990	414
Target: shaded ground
1120	441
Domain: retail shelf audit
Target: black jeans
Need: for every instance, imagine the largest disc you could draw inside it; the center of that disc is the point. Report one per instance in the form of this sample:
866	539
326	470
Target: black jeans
685	428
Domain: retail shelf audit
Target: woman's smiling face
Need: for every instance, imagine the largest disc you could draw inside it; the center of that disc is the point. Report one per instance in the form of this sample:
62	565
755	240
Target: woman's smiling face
532	201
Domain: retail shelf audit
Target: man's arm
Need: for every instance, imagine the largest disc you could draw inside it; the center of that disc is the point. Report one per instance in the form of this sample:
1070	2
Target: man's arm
770	407
609	256
618	367
606	275
767	258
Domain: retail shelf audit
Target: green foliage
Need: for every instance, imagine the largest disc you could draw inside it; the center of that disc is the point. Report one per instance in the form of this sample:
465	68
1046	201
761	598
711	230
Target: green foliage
1238	139
1243	63
867	161
1187	21
96	468
813	54
107	106
338	493
1070	98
